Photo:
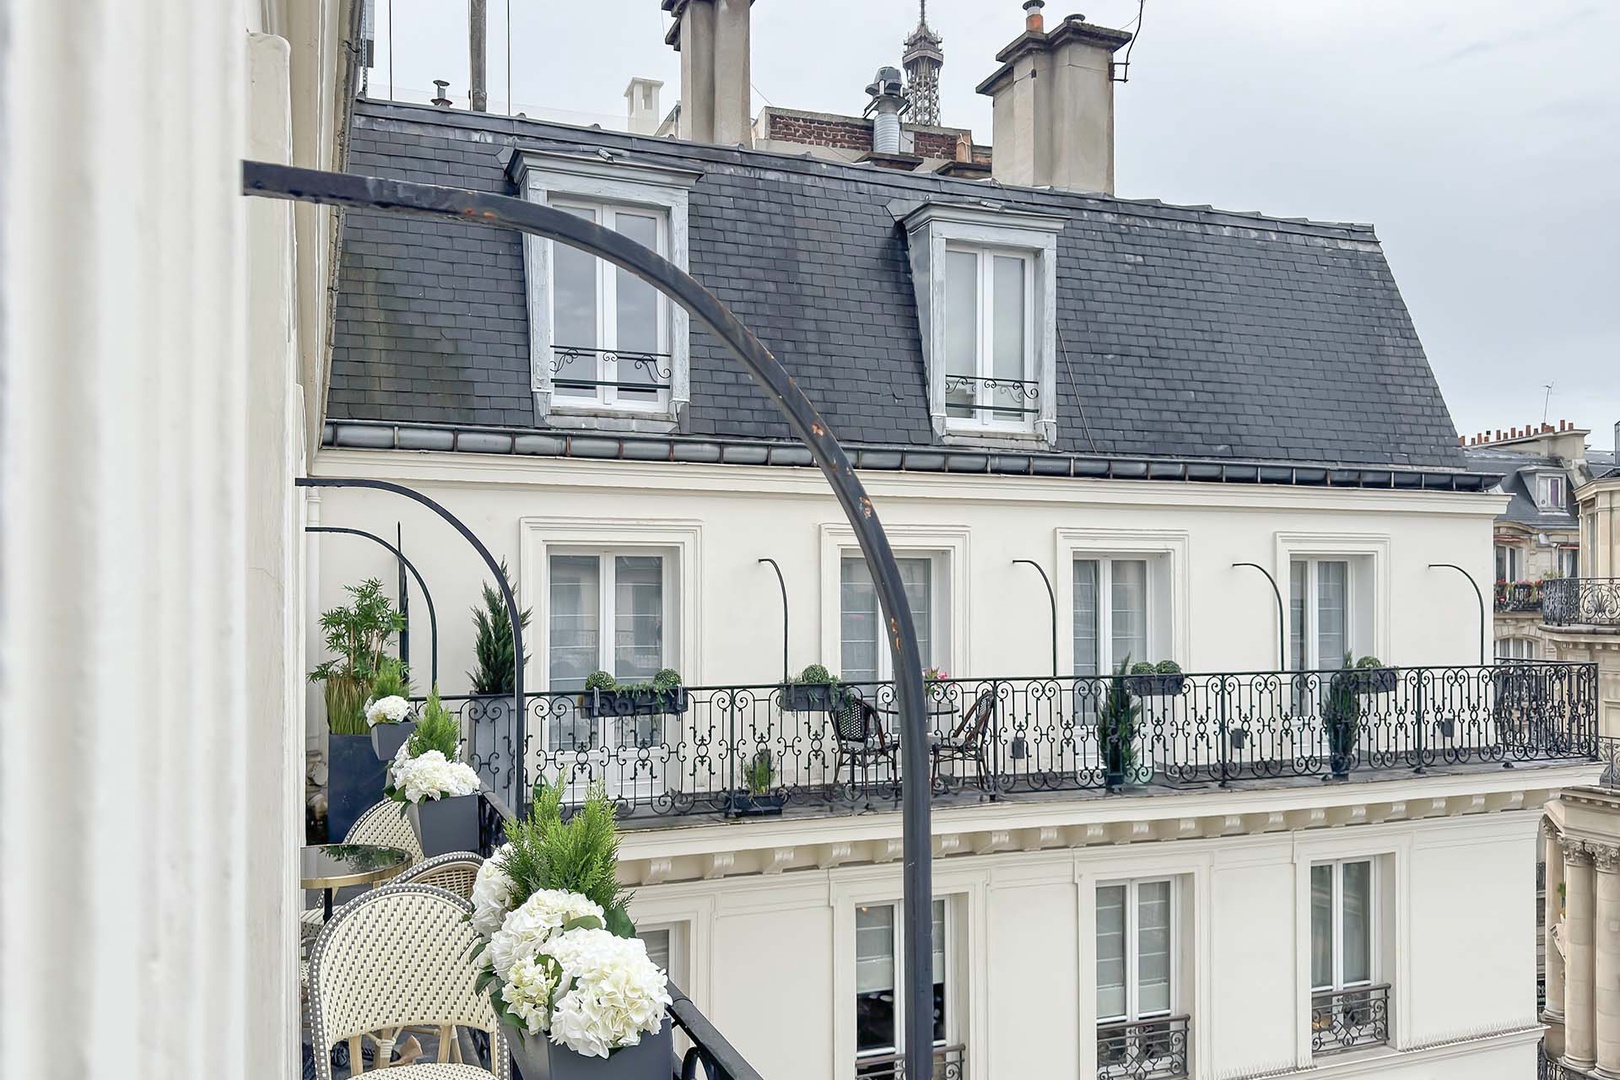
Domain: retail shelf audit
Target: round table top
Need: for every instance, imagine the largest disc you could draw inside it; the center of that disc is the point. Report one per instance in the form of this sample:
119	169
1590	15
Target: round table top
333	866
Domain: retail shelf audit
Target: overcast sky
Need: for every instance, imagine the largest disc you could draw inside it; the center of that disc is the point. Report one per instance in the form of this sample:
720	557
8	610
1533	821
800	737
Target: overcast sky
1481	137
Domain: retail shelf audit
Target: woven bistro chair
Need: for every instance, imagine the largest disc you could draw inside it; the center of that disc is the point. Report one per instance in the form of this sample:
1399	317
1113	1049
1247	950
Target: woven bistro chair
454	872
966	741
382	825
861	741
397	958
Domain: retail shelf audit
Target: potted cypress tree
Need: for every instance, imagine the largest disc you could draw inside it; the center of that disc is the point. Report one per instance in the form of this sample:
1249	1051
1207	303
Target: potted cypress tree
1341	712
1116	731
356	635
490	712
439	791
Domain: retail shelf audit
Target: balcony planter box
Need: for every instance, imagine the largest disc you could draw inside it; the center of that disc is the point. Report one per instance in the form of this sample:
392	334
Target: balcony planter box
537	1058
596	703
1168	684
386	739
811	697
445	825
354	781
1375	680
747	804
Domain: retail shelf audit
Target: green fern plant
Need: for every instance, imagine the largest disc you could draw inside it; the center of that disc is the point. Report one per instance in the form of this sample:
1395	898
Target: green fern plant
578	855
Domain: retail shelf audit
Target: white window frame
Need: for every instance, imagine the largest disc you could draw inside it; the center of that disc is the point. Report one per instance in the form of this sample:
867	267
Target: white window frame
930	228
1569	562
1153	635
1169	599
947	546
949	949
1517	648
938	613
680	540
1546	484
982	383
1374	927
607	595
1368	593
680	948
1132	1013
557	178
1512	555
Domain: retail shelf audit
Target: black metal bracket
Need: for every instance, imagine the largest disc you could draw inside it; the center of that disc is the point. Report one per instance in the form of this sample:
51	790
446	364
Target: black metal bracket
1282	621
1484	623
782	584
1051	598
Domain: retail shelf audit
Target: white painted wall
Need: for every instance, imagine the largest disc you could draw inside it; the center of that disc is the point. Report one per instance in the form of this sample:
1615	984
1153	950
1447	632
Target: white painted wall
776	952
1224	618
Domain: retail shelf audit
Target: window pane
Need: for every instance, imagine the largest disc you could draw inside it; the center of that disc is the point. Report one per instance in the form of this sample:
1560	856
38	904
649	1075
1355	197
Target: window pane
1085	617
939	970
1332	613
857	622
961	331
574	315
1007	362
637	313
657	942
575	649
1357	922
638	604
874	978
1111	952
1321	927
1296	614
1129	596
917	577
1153	948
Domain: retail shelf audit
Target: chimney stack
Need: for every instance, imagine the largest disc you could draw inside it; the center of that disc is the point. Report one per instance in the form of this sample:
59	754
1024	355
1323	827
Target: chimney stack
641	106
712	37
1054	104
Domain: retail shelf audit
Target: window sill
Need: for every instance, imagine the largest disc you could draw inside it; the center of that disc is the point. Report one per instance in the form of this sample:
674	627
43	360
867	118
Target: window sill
994	439
624	421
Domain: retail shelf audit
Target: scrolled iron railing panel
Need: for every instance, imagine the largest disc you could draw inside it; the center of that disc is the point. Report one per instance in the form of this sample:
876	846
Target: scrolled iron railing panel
950	1063
1036	735
1349	1019
1581	601
1143	1049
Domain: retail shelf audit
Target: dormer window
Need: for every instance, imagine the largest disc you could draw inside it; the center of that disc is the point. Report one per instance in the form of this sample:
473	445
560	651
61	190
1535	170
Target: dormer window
986	283
606	349
1552	491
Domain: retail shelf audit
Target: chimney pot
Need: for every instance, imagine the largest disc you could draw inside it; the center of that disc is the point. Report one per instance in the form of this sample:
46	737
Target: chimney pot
1034	22
440	97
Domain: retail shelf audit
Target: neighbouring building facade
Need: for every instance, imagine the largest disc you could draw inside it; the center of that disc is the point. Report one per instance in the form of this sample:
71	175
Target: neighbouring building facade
1158	407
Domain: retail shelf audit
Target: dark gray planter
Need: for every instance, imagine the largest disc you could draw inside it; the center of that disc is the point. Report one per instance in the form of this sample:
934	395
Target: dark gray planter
811	697
445	825
1375	680
354	782
1165	684
747	804
386	739
537	1059
596	703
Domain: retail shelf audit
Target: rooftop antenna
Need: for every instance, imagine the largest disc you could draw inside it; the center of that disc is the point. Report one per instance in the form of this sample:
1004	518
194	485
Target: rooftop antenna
1545	401
1122	68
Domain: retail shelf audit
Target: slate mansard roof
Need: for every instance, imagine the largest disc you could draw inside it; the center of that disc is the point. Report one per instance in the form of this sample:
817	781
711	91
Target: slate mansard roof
1185	334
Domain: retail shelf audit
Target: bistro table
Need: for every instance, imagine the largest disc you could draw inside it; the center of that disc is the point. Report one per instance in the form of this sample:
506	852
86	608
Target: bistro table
335	866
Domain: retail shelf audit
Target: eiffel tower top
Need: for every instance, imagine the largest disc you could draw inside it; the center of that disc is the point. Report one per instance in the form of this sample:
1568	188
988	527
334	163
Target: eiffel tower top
923	40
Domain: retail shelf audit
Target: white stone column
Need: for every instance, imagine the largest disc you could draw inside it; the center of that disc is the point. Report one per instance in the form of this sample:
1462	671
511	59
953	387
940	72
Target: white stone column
1553	905
1580	1023
1606	966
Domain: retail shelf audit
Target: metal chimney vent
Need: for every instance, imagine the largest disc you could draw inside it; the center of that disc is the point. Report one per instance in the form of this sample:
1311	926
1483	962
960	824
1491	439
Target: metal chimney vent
888	101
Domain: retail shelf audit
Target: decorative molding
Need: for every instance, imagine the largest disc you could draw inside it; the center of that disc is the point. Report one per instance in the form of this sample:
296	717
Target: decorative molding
1576	853
1605	858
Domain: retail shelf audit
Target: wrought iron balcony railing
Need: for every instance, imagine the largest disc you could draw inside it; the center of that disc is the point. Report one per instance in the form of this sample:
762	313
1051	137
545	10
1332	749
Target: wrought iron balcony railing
1143	1049
1549	1067
1348	1019
576	367
1581	602
950	1063
1518	596
737	750
710	1056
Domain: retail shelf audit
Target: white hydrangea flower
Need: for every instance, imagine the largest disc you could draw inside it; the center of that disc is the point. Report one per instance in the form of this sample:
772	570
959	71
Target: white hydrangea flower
535	922
492	893
389	710
612	992
527	993
432	776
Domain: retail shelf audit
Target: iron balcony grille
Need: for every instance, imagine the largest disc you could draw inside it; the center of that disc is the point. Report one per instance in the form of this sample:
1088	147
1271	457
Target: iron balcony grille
1142	1049
950	1063
693	751
1581	602
1349	1019
1022	395
1553	1068
655	366
1518	596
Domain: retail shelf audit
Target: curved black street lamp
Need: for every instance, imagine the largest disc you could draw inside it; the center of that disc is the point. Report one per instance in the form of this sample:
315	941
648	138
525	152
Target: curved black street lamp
479	208
1051	598
1282	625
433	618
782	584
1478	595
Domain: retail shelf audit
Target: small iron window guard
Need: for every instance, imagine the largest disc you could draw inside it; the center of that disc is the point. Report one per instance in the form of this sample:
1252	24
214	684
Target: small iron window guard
1025	390
1349	1019
950	1063
656	366
1142	1049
